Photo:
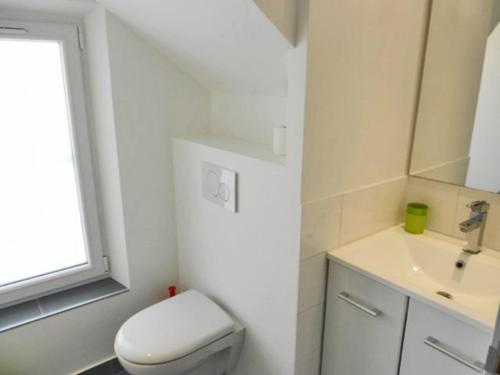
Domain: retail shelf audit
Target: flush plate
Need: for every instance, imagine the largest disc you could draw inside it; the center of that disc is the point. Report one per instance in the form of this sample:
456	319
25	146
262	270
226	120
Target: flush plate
219	185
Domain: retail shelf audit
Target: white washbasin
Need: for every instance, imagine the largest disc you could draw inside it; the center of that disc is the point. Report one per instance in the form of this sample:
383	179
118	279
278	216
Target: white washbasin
422	265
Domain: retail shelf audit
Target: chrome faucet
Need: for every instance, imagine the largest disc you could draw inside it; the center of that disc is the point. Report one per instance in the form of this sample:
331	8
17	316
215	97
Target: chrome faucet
474	226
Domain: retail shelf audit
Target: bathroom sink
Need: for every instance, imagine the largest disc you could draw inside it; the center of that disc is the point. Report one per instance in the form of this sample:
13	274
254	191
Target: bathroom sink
432	268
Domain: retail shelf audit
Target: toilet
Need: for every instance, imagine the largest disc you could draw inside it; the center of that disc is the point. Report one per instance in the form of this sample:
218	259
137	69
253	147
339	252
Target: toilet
178	335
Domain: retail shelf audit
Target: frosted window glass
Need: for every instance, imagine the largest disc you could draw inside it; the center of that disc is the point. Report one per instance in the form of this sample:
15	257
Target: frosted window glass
41	229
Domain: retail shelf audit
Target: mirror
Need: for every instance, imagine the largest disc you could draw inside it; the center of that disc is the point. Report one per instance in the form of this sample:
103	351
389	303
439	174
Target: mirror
457	133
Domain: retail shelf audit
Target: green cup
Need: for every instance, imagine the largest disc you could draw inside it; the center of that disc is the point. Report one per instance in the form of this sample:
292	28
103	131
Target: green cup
416	218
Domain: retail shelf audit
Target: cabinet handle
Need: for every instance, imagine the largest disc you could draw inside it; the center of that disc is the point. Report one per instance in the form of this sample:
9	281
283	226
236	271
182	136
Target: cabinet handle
369	310
442	348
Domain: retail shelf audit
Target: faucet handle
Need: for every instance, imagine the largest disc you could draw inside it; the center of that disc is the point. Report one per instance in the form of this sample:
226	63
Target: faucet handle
479	206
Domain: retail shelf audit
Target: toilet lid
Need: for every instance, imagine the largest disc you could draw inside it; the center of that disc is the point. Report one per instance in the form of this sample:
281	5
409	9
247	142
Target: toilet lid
172	329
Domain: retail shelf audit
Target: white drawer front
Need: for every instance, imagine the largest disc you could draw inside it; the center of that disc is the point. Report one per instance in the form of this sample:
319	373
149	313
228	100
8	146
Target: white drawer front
438	344
364	325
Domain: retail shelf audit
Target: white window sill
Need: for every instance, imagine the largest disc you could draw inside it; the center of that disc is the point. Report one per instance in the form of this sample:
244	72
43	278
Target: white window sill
31	311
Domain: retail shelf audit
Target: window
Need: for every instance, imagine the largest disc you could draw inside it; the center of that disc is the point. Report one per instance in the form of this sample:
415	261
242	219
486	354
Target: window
49	233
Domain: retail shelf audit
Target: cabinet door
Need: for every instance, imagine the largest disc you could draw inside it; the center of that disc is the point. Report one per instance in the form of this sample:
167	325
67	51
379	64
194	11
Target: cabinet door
438	344
364	325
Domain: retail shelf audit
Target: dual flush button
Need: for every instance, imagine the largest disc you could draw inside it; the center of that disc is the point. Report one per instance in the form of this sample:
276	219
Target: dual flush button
219	185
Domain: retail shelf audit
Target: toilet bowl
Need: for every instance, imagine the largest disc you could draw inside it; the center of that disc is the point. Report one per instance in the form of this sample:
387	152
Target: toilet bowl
178	335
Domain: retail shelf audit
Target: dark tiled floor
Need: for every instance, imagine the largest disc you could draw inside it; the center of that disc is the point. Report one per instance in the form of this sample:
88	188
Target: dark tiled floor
117	368
104	369
112	367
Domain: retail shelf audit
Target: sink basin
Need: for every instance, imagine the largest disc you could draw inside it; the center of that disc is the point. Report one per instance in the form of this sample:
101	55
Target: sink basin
425	267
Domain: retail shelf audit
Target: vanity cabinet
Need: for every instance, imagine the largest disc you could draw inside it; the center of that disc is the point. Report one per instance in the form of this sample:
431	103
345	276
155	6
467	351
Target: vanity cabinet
374	329
436	343
364	325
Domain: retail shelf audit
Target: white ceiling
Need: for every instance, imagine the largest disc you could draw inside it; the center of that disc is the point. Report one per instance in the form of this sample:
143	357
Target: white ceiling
227	45
59	7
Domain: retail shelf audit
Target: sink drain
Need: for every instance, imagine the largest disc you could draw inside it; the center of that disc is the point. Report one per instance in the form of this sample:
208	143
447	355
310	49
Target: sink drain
444	294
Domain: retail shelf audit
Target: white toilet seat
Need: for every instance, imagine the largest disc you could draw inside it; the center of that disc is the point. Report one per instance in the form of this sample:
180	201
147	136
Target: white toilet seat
231	343
177	335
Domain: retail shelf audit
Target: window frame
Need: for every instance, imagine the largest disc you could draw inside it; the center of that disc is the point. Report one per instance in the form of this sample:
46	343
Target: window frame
68	36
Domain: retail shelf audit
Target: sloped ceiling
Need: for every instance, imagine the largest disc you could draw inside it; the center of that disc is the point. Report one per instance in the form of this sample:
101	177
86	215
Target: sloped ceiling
227	45
282	14
496	15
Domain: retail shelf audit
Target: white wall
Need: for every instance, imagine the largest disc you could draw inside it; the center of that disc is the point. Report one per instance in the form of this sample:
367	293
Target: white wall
98	84
151	99
244	116
485	151
48	8
448	207
249	261
363	74
246	261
